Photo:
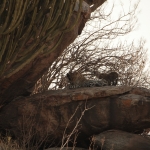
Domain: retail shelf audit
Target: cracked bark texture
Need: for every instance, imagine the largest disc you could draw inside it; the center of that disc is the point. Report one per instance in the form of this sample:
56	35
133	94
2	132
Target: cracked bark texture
22	82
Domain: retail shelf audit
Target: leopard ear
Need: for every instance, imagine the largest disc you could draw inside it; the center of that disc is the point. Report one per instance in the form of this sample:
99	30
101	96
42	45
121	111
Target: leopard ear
68	76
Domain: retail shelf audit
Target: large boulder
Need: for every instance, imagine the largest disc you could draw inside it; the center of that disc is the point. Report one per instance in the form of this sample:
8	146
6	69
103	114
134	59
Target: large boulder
119	140
64	114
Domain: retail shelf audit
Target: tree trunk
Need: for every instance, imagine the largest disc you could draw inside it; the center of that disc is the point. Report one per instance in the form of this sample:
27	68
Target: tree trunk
18	79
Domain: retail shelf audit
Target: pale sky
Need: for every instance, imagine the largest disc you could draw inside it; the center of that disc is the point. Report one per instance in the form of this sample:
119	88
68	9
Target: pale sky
143	24
144	21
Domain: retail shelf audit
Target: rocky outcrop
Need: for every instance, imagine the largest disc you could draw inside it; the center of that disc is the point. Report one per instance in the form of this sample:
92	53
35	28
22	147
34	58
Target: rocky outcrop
64	115
119	140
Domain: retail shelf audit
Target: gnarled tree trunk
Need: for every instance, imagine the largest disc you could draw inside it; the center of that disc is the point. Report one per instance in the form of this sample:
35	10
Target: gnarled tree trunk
35	40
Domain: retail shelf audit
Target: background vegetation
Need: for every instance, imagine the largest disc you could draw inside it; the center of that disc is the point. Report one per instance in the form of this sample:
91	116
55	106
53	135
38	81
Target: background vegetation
99	48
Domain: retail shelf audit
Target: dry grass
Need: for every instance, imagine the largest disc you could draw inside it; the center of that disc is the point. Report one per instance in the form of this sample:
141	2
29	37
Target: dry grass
6	143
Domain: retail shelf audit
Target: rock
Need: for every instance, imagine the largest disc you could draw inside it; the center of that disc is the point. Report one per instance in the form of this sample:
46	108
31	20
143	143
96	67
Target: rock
84	111
66	148
140	91
119	140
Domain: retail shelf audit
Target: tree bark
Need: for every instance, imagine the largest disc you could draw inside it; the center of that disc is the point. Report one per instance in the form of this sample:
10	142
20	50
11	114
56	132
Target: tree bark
22	82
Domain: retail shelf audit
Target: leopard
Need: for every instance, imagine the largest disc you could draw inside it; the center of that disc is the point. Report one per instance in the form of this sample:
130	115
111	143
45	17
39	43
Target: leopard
78	80
111	78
